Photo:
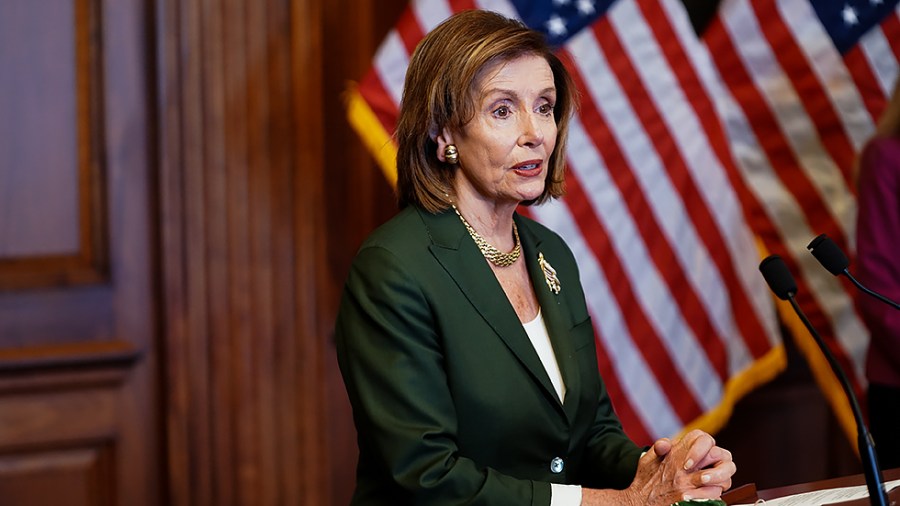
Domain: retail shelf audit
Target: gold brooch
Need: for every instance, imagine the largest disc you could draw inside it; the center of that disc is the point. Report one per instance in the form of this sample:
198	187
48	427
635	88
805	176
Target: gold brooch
549	274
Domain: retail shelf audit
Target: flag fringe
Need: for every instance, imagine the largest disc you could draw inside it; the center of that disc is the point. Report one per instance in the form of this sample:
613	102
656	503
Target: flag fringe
766	368
373	134
758	373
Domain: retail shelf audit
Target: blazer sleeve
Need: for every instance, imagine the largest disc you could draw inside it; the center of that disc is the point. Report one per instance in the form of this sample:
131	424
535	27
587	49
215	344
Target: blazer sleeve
611	456
390	355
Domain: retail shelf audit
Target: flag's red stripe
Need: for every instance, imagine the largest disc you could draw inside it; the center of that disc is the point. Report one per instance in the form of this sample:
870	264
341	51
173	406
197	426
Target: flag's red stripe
809	90
747	320
756	215
865	81
641	332
409	29
891	28
763	122
631	422
755	212
781	157
863	74
695	313
463	5
372	90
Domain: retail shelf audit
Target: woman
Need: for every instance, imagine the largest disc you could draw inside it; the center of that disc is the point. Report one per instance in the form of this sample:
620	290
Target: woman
463	335
878	227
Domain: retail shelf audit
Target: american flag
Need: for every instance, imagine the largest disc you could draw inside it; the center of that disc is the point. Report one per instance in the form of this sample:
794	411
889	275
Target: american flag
662	211
802	85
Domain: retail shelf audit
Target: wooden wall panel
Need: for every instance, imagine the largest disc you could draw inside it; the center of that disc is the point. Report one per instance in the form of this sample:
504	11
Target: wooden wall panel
74	477
357	199
265	196
52	216
241	171
78	406
310	58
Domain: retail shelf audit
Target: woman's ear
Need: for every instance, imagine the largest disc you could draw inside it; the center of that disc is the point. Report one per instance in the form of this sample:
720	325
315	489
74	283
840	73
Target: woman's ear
444	139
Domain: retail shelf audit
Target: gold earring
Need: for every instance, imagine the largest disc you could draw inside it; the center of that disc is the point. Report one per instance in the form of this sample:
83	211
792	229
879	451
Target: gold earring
451	154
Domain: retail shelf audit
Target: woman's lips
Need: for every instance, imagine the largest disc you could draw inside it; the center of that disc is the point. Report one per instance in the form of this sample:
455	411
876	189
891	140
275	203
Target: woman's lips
529	168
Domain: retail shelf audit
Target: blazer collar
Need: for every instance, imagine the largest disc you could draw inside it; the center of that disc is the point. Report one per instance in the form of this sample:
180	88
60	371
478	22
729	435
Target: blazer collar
460	257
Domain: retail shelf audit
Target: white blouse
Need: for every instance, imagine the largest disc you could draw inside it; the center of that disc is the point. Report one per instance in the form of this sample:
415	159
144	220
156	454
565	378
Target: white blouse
560	495
540	339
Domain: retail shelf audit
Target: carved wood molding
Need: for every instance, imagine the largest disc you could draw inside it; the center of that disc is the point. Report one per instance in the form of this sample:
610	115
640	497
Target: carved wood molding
66	367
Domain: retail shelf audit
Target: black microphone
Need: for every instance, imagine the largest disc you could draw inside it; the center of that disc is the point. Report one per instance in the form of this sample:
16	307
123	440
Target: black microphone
832	258
782	284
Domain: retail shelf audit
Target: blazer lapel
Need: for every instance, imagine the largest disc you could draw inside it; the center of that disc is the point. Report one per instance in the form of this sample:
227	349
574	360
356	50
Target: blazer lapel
558	325
460	257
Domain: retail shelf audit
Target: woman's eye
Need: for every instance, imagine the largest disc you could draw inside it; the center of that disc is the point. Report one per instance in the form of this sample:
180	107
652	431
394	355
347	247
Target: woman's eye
545	109
501	112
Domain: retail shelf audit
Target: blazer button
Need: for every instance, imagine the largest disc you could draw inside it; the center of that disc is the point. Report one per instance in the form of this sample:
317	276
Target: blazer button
556	465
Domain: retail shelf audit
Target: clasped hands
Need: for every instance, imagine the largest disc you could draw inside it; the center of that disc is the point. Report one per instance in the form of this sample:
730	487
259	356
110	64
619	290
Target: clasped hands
689	467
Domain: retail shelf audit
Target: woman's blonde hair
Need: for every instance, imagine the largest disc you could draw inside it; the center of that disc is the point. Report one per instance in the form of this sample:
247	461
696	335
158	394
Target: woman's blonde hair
439	93
889	123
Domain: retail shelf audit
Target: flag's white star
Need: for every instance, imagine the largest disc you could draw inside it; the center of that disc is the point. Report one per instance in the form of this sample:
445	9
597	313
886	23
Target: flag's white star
556	26
586	7
849	14
561	2
876	2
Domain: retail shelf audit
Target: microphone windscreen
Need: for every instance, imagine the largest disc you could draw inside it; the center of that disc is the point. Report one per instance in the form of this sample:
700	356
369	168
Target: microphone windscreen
829	254
777	275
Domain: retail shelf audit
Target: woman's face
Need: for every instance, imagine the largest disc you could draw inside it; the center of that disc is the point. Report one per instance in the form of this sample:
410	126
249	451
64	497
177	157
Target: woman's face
505	149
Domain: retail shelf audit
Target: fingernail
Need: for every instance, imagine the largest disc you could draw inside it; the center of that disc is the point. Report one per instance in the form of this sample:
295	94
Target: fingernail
705	478
686	498
689	464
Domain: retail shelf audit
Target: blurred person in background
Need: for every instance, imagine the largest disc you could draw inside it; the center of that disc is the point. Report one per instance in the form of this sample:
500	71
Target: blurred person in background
878	260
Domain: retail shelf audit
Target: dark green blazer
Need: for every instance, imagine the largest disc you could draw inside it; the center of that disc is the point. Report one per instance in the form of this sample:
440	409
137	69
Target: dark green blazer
451	402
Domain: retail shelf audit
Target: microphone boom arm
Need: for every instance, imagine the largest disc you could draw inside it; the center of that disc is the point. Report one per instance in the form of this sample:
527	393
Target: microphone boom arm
877	295
866	445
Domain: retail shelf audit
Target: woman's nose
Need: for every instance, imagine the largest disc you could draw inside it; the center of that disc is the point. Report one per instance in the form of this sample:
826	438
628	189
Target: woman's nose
531	133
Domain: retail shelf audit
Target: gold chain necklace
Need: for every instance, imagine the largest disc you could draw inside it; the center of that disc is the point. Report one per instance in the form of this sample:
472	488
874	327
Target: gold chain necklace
493	255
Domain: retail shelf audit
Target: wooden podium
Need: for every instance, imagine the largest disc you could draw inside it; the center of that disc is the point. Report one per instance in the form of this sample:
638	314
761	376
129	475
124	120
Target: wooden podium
747	494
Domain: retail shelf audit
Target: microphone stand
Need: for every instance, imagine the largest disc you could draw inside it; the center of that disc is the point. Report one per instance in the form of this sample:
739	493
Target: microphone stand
874	479
877	295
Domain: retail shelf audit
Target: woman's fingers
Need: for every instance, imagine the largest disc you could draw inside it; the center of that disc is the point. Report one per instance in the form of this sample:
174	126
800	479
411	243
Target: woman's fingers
715	455
699	445
719	475
689	467
662	447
